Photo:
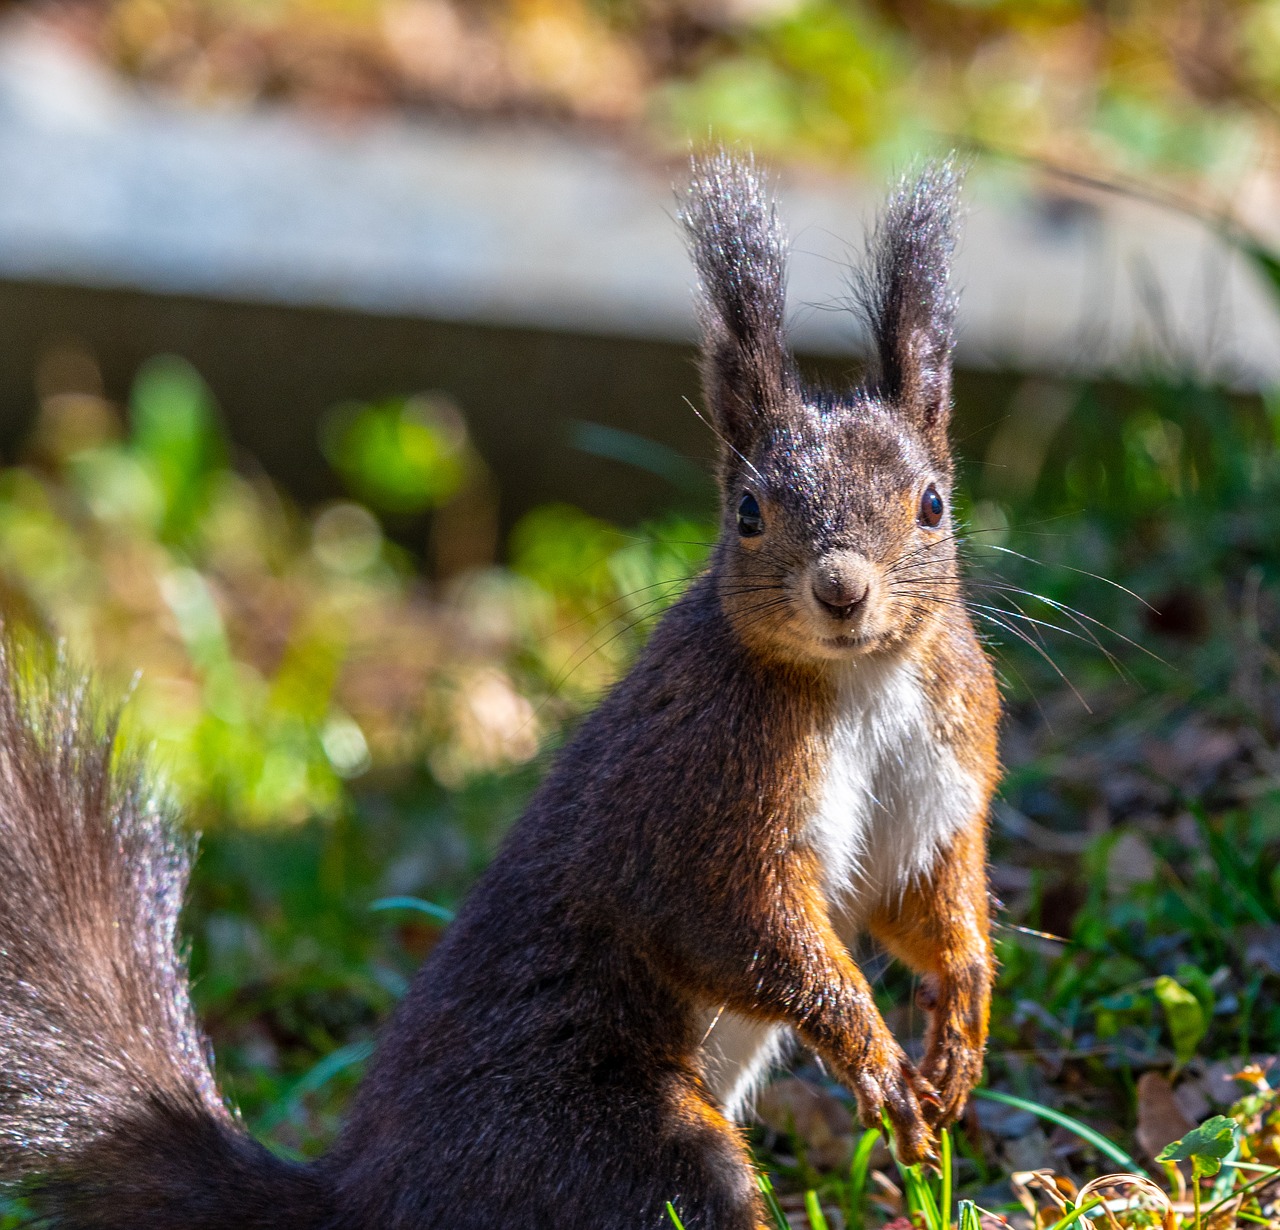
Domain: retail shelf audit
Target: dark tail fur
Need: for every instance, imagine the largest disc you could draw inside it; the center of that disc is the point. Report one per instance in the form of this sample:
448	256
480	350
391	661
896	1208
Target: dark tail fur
107	1100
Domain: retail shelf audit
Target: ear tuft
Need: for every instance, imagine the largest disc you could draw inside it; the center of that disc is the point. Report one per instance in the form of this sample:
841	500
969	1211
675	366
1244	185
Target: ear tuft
905	295
739	250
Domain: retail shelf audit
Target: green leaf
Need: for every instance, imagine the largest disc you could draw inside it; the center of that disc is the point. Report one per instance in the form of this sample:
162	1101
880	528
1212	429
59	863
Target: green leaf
1184	1015
1205	1147
675	1217
1200	985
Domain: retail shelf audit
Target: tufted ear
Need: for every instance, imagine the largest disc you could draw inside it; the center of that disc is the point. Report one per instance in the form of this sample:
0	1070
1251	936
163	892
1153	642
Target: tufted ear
739	250
905	295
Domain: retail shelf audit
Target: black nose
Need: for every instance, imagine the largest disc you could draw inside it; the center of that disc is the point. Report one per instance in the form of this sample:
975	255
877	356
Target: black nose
838	593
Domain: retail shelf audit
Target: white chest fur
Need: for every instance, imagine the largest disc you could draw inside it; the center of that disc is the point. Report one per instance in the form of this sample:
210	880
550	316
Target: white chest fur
891	794
890	797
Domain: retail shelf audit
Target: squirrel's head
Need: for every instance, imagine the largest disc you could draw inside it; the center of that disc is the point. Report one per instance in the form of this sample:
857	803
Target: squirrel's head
836	535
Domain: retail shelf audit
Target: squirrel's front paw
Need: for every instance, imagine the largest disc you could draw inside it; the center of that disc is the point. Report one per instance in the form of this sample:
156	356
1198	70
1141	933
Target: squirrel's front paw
893	1086
954	1045
953	1066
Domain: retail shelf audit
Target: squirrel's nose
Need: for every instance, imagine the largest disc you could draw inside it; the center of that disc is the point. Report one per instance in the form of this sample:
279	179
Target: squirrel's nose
839	591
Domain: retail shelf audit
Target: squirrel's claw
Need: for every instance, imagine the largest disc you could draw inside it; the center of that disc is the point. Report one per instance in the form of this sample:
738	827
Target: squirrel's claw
899	1091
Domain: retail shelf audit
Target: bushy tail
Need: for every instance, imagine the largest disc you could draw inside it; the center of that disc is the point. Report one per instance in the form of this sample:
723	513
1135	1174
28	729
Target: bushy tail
108	1106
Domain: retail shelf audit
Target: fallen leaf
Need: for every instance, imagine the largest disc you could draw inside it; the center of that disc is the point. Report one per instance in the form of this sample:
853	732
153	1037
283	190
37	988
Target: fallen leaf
1223	1082
1262	948
1002	1120
1160	1119
1192	1100
1129	862
1030	1151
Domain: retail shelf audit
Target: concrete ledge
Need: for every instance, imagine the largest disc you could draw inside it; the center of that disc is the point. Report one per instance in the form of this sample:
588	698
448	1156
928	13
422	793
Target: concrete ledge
102	186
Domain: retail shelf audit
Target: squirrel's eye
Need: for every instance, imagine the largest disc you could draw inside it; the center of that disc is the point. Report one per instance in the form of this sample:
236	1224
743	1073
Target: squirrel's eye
930	507
750	522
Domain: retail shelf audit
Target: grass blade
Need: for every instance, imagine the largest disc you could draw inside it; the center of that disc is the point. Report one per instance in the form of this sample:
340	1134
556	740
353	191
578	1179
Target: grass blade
817	1218
1076	1214
438	912
920	1198
771	1202
1263	259
1083	1130
1263	1180
944	1148
315	1078
675	1217
859	1169
601	440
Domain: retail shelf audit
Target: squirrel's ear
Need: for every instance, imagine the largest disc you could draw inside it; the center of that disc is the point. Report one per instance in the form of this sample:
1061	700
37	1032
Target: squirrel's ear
904	293
739	251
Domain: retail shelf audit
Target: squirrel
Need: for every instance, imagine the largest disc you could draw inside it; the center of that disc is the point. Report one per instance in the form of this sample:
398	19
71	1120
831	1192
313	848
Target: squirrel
803	753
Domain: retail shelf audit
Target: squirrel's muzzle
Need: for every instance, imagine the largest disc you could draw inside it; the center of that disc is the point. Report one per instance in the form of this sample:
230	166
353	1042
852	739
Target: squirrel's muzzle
841	582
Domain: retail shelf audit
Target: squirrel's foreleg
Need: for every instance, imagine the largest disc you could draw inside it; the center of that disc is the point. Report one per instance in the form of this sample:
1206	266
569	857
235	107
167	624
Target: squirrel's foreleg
785	962
940	927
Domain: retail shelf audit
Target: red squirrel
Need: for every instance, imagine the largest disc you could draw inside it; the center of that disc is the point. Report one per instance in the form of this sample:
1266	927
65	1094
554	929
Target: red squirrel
803	753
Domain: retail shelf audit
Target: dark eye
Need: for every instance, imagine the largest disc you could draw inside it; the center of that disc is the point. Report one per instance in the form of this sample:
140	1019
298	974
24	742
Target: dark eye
930	507
750	522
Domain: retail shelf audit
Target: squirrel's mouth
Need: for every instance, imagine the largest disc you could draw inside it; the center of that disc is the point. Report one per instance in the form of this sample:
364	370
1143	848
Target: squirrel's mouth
845	637
848	640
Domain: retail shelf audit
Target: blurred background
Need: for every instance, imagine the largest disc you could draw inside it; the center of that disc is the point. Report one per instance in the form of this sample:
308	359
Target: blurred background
345	424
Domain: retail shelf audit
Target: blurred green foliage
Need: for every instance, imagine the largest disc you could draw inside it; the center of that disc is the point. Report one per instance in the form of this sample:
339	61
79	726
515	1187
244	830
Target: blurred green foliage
147	552
401	456
1183	88
281	653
